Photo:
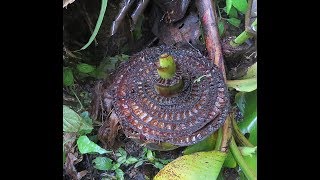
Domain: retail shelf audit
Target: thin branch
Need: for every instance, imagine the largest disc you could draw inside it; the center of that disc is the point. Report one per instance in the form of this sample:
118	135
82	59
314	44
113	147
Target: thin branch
208	16
126	4
207	13
139	10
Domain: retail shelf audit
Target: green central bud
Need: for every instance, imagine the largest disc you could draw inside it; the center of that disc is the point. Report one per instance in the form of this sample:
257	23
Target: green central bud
167	71
167	67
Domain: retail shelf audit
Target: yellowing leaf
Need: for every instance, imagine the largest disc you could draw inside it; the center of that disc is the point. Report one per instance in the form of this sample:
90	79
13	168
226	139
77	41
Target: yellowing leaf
248	82
200	165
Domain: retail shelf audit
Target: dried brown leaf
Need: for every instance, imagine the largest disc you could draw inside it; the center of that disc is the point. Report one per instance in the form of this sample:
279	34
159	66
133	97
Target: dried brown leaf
69	142
81	174
109	130
186	31
69	166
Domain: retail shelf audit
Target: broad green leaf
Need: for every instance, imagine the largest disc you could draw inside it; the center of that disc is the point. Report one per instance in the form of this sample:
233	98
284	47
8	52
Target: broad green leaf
228	6
102	163
158	165
205	145
234	21
72	122
221	27
251	162
87	146
68	79
240	5
233	13
253	133
247	103
85	68
104	4
131	160
230	162
119	174
248	82
247	151
200	165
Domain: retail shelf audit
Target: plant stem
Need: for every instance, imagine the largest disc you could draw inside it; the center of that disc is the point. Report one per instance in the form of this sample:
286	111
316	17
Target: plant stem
238	157
167	67
245	35
219	140
81	106
226	134
209	22
239	137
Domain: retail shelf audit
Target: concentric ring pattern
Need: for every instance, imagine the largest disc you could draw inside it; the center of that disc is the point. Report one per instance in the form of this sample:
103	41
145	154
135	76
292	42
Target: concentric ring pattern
184	119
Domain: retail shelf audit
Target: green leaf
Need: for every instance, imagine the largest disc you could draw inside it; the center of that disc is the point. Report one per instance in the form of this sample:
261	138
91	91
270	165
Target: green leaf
248	82
119	174
228	6
164	161
150	156
115	166
85	68
233	13
253	133
158	165
122	152
230	162
240	5
207	144
221	27
102	163
234	21
200	165
139	163
121	159
68	79
85	116
144	151
87	146
247	103
251	162
247	151
220	176
72	122
131	160
252	72
124	57
104	4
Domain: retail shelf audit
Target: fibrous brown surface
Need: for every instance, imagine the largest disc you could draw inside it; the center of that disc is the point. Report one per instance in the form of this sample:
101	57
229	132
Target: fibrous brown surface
184	119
